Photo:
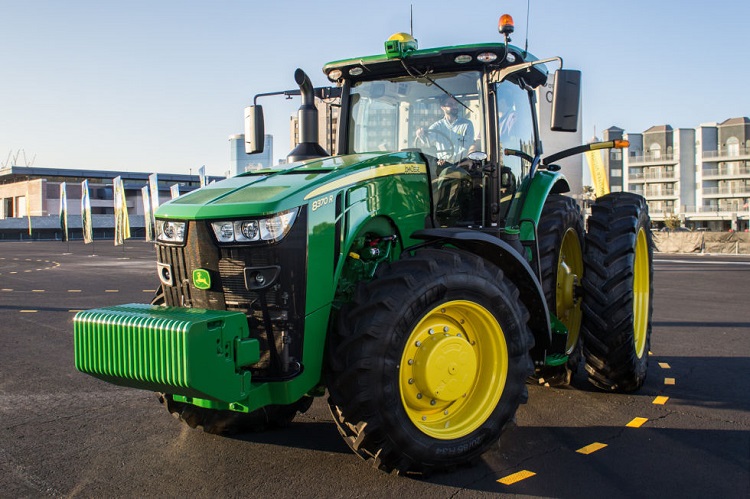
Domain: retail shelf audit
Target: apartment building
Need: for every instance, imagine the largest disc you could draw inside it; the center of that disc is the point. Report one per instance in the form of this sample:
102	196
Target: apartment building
701	175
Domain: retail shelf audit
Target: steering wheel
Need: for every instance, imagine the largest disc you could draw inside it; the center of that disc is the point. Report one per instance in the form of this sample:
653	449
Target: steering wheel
428	143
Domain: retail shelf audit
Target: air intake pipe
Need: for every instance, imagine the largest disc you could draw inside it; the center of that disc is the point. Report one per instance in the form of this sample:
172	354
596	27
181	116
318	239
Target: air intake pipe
307	116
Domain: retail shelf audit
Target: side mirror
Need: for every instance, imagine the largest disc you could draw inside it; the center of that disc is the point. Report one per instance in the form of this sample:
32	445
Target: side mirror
566	100
254	129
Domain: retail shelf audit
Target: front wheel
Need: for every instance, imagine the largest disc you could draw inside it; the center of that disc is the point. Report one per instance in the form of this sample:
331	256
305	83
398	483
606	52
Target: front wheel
618	298
429	362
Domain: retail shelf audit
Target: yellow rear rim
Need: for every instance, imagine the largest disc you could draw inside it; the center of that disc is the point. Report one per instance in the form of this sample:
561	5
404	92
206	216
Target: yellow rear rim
453	369
569	274
641	293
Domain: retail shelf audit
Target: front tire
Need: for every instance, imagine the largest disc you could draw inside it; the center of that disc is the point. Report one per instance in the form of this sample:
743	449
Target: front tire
429	362
618	298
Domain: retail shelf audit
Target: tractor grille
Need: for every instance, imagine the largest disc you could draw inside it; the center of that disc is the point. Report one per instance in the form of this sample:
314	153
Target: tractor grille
281	304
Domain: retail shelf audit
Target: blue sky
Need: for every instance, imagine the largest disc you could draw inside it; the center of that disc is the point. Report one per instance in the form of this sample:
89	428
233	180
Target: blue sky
160	85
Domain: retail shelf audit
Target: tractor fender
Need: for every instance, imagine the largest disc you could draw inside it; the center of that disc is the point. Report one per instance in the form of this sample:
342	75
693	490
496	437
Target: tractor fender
512	264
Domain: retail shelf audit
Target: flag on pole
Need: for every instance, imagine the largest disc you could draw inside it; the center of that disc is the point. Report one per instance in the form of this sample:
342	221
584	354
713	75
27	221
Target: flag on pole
28	206
148	215
174	190
598	172
122	222
63	212
153	184
86	225
202	175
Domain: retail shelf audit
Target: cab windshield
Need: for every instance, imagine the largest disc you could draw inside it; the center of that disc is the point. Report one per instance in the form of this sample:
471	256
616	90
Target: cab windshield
439	115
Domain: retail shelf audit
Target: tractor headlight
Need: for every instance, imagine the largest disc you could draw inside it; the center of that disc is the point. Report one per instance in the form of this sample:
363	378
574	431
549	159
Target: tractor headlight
269	229
170	232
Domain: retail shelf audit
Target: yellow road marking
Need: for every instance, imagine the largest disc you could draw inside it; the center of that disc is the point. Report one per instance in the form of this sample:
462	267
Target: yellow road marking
37	291
591	448
660	400
669	381
664	365
14	272
111	290
74	291
75	310
636	422
7	289
149	291
28	311
516	477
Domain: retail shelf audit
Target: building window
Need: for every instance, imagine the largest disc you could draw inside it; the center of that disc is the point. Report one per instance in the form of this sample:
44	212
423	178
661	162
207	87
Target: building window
733	146
617	172
655	151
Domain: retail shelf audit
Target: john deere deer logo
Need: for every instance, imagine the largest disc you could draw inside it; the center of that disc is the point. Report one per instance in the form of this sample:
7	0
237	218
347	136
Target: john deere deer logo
201	279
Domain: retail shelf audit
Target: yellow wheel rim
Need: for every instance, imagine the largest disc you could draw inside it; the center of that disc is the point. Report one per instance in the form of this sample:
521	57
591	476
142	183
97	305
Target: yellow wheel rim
569	274
641	293
453	369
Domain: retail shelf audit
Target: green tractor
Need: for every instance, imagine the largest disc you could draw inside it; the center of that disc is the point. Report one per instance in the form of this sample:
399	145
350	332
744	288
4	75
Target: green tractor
421	275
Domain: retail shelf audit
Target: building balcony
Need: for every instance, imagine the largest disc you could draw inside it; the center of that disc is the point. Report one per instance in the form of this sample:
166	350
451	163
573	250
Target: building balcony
655	195
726	171
726	191
742	154
642	177
652	159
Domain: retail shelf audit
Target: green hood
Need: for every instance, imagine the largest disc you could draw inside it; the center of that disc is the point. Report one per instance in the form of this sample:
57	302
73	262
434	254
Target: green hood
269	191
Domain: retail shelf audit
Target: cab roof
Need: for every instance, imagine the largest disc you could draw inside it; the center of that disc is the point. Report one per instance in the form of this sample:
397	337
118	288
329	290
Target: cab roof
435	60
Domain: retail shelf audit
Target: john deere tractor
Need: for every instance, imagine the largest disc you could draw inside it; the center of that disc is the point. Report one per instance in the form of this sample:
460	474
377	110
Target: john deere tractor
420	274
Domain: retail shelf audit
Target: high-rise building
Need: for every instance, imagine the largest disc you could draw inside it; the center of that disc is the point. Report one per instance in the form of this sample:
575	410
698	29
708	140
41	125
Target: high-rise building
242	162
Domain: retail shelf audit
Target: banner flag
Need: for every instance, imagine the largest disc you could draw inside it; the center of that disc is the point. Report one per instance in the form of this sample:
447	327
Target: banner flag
86	225
174	190
598	172
153	183
63	212
122	222
28	206
148	215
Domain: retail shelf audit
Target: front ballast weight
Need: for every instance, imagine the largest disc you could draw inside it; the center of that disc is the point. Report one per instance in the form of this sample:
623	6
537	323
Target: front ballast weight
191	352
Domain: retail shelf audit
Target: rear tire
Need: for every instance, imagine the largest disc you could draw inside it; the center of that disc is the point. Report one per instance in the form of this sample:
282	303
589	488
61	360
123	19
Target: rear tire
561	239
618	286
429	363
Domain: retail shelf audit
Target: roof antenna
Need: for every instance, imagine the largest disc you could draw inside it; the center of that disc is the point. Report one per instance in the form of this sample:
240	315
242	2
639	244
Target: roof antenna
411	19
526	45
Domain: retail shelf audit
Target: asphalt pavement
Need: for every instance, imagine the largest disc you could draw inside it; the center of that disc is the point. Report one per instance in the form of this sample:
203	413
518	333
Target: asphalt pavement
686	433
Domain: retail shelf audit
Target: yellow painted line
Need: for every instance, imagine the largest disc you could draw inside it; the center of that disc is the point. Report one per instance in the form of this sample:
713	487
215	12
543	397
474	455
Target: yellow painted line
27	270
28	311
14	272
636	422
75	310
591	448
149	291
37	291
660	400
516	477
669	381
7	289
111	290
664	365
74	291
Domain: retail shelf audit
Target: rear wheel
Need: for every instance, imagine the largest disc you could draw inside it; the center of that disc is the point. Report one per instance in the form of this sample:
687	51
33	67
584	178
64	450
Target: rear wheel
618	296
429	362
561	254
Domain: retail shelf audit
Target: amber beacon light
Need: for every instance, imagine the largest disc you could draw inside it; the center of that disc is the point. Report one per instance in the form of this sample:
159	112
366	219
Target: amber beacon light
505	26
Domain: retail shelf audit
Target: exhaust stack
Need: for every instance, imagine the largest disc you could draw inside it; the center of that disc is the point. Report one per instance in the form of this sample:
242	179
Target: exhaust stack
307	116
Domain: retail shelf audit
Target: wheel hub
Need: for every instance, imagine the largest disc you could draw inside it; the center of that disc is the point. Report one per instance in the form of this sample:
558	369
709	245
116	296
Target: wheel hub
445	367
